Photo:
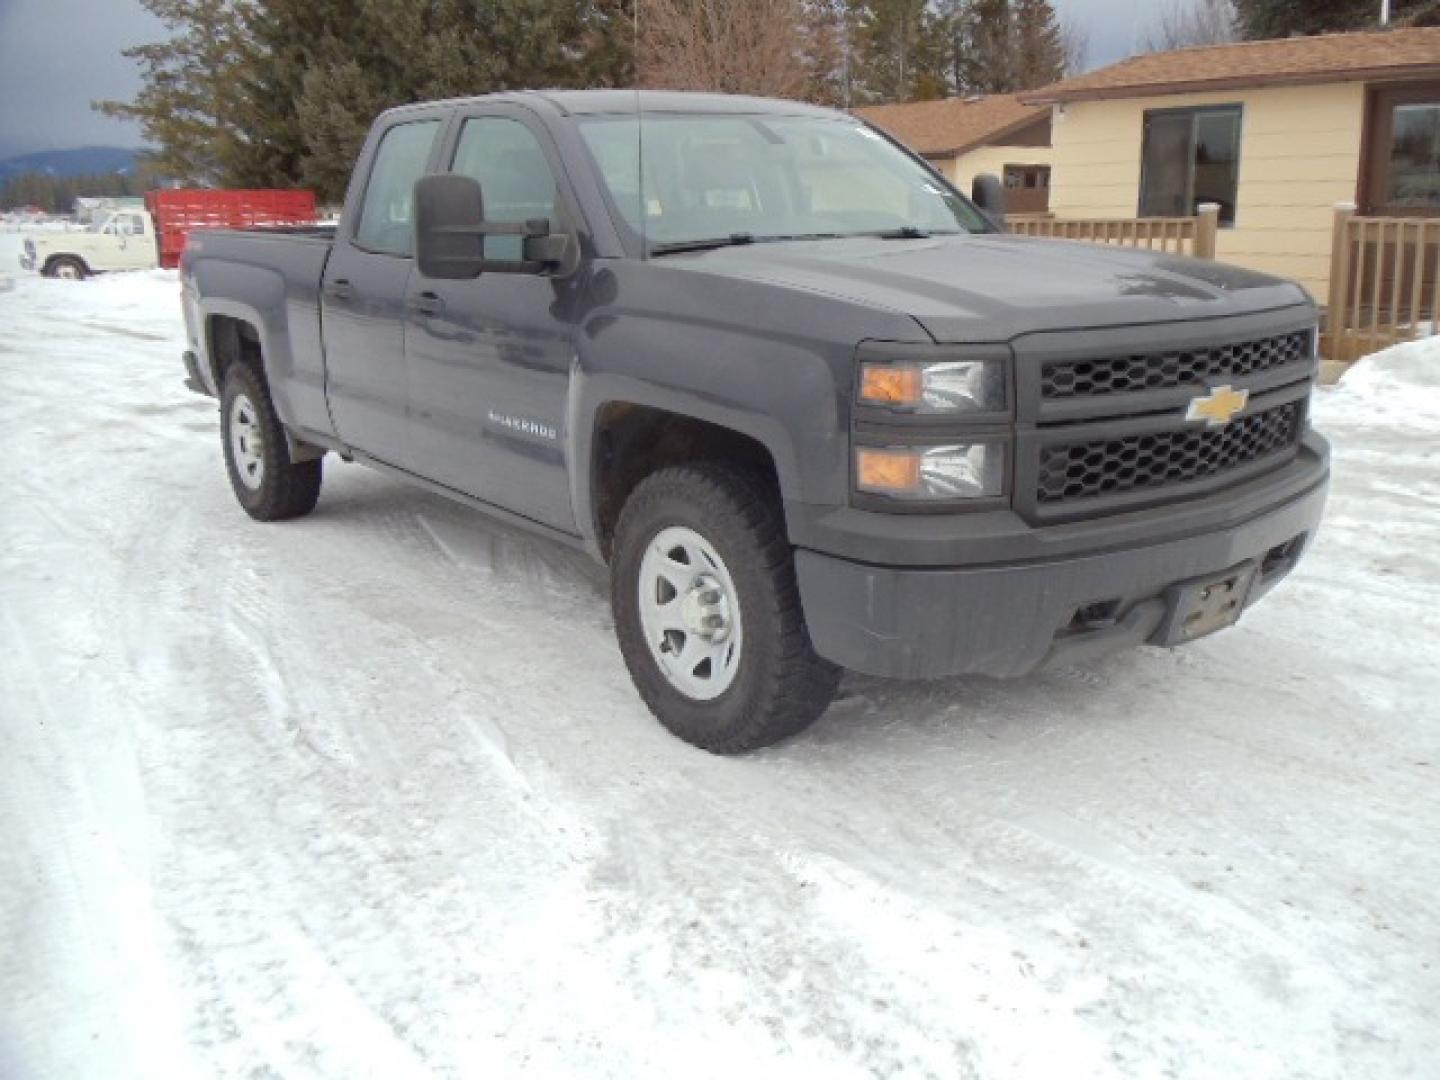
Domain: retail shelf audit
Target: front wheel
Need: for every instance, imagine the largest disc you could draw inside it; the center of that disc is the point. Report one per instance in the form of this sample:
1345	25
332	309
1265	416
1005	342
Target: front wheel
266	482
67	269
708	613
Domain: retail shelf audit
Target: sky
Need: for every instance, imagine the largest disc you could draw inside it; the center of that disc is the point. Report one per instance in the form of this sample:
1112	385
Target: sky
56	56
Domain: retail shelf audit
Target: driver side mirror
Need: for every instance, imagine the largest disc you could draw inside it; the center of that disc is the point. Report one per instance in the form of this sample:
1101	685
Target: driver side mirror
450	231
988	193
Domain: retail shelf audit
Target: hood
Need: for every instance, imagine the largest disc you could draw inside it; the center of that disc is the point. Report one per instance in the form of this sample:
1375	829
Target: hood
993	287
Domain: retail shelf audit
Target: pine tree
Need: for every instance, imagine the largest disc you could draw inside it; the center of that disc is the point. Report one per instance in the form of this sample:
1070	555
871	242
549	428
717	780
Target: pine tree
57	194
1419	13
890	39
286	36
827	48
954	28
277	92
962	47
192	88
399	51
1283	18
1039	49
992	48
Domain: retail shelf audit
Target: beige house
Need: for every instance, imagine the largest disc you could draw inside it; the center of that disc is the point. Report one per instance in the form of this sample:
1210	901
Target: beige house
1276	132
964	137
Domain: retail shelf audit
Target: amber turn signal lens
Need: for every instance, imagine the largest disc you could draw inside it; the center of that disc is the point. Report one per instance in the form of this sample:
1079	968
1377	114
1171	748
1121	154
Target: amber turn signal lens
887	470
888	384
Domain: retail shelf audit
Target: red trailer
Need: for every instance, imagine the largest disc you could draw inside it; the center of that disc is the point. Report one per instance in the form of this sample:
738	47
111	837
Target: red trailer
177	211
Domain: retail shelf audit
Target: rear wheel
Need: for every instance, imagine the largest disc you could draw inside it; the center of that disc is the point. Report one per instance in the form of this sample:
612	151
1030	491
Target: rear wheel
266	482
708	613
67	268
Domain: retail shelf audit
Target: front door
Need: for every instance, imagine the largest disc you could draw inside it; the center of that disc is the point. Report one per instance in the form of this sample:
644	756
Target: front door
363	299
137	249
490	359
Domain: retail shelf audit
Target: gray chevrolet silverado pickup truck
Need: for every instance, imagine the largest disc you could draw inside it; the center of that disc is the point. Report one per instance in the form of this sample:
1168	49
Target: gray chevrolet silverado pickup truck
813	409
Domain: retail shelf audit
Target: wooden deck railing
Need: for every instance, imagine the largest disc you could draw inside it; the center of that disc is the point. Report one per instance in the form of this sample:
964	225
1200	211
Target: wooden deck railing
1184	236
1384	283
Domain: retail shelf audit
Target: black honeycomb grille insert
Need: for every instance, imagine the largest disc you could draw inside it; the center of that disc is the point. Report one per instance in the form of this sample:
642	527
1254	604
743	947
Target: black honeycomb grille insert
1110	466
1159	371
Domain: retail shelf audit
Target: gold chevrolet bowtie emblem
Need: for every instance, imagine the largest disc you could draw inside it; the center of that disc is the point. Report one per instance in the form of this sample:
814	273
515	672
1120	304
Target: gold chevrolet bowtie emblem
1218	407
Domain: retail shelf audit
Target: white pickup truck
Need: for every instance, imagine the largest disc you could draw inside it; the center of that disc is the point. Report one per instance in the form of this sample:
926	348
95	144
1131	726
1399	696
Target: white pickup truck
123	241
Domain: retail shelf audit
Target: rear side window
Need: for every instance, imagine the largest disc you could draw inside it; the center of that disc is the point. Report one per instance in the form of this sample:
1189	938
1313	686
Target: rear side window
515	179
386	214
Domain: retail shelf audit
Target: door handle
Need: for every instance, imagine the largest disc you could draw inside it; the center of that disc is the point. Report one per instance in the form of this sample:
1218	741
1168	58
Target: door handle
340	289
426	303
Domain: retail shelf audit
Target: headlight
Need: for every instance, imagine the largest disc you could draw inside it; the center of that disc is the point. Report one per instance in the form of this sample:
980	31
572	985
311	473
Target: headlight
932	473
946	387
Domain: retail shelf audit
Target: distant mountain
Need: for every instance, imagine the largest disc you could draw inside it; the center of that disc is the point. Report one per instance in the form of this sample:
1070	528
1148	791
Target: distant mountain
81	161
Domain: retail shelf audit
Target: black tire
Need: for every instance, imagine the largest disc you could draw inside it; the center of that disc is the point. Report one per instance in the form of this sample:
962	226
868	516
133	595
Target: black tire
283	488
780	685
67	266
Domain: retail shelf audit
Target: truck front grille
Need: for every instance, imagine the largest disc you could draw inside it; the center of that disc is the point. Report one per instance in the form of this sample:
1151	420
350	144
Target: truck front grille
1084	470
1156	371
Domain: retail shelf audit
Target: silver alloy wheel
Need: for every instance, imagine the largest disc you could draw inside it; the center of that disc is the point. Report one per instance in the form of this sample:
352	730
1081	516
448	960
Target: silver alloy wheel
690	613
67	271
247	445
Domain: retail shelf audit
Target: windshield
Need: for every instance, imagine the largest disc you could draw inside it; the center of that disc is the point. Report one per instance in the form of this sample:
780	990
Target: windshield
757	178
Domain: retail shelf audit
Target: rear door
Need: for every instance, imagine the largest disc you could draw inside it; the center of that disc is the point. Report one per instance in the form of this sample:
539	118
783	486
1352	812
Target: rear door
490	359
363	293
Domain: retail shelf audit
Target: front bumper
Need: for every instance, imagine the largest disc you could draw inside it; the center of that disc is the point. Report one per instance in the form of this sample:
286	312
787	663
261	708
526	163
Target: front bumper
1006	619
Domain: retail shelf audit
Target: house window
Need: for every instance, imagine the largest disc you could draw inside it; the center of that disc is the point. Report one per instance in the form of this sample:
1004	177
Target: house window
1190	157
1027	189
1027	176
1402	173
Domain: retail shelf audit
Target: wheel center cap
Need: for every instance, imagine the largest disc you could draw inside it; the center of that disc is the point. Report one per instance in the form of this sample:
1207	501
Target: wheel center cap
704	611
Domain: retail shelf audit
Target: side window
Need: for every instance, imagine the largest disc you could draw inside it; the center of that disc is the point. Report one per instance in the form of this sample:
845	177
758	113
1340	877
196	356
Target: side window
514	176
386	211
131	225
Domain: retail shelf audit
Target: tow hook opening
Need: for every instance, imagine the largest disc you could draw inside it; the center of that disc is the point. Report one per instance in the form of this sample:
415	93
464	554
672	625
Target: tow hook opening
1281	558
1096	615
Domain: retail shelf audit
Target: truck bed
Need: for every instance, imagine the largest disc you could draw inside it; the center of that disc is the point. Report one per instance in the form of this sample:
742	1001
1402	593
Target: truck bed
322	232
318	231
271	276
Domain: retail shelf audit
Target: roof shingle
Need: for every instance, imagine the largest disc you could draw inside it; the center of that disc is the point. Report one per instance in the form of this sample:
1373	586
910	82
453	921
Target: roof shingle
1385	54
951	125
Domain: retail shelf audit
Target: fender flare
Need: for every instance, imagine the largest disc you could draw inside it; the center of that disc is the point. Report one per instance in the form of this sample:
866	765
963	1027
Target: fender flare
590	394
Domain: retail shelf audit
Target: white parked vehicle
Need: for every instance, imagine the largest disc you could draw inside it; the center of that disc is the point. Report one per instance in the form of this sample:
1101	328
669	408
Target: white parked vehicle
122	241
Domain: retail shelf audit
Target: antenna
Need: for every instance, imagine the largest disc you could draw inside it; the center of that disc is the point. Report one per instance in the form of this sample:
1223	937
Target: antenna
639	130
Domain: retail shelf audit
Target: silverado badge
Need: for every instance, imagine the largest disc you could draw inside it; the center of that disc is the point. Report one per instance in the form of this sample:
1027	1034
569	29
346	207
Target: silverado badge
1218	407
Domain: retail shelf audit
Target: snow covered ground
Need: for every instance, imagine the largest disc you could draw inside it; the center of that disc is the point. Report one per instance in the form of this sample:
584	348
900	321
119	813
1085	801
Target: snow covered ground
370	794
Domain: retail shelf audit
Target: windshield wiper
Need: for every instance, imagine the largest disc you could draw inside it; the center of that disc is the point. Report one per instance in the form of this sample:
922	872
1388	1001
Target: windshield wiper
677	246
904	232
780	237
741	238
